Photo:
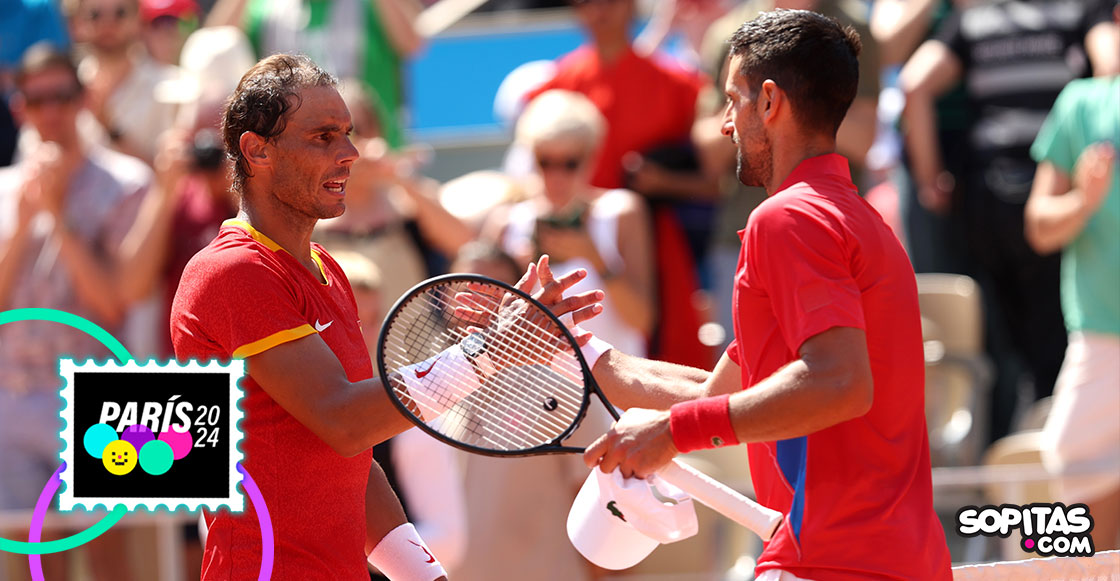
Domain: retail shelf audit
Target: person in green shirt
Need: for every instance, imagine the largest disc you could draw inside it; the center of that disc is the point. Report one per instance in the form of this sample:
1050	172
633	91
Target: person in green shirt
1074	207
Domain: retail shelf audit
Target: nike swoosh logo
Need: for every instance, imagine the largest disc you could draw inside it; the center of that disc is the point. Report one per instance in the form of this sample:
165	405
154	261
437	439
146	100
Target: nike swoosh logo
320	328
420	373
431	558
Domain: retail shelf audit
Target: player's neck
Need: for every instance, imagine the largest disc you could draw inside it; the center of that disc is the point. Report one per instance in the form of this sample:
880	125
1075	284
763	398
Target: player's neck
795	151
292	235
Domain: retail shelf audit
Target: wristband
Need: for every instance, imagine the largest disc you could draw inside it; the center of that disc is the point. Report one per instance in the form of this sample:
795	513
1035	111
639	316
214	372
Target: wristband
702	423
594	349
427	382
402	555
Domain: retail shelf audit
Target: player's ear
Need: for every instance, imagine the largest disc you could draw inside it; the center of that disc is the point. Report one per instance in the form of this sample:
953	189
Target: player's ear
771	100
254	148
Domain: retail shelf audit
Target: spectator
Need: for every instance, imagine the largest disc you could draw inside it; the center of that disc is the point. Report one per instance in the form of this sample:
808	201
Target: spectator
649	110
64	211
392	215
363	39
646	105
1075	207
1012	72
165	27
579	225
933	241
25	22
120	76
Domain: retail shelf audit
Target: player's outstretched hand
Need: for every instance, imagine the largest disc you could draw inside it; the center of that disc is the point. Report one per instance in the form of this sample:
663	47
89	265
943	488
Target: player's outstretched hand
639	444
581	307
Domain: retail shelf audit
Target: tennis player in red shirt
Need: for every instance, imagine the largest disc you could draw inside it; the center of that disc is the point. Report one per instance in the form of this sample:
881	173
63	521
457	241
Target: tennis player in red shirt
824	381
264	292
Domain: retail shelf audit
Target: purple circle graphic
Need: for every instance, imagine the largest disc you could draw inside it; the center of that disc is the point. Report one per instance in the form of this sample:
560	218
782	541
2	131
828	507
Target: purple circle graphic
137	435
180	442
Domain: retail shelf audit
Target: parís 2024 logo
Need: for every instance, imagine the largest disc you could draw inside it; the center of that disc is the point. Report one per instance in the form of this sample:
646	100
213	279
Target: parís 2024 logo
151	434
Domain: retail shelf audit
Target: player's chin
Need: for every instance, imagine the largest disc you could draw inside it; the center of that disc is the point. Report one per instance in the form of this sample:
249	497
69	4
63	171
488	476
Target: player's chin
332	209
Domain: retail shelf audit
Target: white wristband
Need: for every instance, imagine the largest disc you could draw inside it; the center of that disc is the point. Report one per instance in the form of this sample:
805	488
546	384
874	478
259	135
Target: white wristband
594	349
402	555
429	382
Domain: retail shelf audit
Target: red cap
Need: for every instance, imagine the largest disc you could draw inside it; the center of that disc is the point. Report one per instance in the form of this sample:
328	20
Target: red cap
152	9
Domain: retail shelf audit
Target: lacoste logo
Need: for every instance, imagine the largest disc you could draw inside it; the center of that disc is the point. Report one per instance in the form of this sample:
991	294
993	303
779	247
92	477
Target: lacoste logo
431	558
420	373
320	328
614	511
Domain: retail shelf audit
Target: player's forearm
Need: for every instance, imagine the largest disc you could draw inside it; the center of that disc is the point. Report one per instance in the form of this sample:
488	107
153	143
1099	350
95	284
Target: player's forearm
799	400
383	509
630	381
361	416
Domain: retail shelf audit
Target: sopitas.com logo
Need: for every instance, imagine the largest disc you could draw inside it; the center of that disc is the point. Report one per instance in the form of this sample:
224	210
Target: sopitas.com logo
1051	530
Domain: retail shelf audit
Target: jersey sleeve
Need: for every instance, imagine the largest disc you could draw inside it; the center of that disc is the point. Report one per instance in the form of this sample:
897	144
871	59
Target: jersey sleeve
244	306
798	256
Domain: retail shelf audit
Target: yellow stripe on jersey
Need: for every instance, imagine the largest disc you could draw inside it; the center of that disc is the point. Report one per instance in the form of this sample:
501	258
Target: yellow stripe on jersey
322	269
254	233
279	338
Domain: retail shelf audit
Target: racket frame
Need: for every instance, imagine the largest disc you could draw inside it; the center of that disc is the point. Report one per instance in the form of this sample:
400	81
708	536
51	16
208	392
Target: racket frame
553	446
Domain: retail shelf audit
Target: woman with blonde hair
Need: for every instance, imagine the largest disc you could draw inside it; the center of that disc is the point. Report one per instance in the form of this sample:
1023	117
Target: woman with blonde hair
578	225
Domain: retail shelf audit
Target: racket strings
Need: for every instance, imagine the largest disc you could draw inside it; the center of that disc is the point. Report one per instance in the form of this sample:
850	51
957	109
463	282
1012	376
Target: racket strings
521	407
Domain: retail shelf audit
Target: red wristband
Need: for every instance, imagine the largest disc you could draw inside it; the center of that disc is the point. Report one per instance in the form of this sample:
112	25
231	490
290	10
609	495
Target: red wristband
702	423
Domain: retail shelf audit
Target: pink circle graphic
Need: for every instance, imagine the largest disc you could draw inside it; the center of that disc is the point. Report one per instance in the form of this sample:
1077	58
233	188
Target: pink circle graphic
180	442
1028	543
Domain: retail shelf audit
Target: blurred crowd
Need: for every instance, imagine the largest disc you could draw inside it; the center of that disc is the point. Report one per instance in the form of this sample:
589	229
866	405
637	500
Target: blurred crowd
114	176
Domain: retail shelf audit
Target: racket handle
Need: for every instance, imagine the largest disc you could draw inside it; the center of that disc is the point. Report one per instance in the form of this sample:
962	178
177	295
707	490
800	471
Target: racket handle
721	498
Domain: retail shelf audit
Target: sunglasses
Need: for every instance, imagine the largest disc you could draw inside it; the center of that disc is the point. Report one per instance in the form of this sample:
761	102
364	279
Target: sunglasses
567	164
119	13
56	97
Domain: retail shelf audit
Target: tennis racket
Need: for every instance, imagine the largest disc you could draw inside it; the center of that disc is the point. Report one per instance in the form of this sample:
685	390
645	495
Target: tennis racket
486	368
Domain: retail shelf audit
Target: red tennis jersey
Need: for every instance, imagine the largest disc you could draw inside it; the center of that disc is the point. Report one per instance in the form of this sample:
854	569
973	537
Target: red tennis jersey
241	295
857	496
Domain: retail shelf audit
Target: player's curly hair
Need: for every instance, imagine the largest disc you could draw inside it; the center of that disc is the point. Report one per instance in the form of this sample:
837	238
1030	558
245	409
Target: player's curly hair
267	94
811	57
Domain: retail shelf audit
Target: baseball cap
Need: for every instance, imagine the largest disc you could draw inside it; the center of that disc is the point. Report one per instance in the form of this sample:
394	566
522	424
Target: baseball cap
616	522
152	9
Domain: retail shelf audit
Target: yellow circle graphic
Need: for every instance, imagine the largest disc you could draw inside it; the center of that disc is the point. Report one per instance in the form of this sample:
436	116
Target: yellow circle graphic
119	457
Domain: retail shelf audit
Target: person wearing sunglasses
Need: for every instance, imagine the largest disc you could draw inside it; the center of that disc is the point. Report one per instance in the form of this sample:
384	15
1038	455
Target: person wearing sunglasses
606	231
64	211
120	76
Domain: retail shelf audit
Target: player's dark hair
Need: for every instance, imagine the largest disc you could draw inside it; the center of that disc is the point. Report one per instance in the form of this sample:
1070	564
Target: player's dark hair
811	57
267	94
44	56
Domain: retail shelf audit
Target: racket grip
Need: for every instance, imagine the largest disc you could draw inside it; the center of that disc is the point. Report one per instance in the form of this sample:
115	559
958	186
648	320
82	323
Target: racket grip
721	498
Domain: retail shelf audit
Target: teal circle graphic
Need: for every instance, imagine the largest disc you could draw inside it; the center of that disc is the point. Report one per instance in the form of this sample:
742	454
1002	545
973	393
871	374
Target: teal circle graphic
156	457
97	437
